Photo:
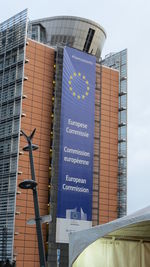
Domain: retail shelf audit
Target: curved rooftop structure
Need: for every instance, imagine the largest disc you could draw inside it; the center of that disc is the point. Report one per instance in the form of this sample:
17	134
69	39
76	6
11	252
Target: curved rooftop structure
80	33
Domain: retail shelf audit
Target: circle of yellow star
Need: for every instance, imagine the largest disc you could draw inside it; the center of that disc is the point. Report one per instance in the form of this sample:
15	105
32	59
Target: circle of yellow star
71	89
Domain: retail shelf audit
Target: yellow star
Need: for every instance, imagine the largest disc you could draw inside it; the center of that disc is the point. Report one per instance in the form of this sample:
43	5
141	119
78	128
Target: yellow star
78	96
83	96
71	77
87	93
74	93
79	74
83	77
74	74
70	88
88	88
69	82
87	82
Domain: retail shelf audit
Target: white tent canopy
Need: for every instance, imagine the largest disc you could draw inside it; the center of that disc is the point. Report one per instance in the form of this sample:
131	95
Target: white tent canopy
123	242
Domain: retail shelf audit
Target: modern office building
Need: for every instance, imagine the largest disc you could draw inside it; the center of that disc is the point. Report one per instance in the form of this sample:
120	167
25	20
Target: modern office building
52	79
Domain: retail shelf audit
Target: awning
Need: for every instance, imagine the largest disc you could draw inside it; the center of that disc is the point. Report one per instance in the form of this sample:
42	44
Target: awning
127	235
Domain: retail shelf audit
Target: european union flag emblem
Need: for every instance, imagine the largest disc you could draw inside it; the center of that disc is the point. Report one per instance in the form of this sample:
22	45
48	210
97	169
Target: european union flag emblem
78	85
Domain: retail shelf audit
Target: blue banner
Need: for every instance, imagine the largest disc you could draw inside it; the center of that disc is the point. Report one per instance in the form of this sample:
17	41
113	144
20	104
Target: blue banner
74	211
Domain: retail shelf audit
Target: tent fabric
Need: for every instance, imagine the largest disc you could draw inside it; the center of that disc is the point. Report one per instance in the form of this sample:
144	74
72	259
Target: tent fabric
133	227
114	253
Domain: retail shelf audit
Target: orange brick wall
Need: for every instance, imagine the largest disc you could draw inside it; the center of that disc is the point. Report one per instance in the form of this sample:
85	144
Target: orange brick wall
109	146
37	107
106	148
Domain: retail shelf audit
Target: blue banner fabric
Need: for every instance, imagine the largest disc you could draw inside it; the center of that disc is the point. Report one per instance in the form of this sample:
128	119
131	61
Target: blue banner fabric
74	209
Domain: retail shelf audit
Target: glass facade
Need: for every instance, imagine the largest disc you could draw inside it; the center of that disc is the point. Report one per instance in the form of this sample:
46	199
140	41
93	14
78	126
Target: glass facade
79	33
12	43
38	33
54	164
119	61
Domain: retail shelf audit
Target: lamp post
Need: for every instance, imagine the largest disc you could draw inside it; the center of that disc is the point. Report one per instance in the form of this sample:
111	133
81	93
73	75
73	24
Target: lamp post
31	184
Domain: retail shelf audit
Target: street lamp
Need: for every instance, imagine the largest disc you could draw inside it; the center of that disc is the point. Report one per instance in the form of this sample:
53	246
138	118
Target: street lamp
32	184
28	184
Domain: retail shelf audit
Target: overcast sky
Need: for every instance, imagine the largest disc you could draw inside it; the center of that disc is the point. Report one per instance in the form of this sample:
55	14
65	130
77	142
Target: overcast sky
127	23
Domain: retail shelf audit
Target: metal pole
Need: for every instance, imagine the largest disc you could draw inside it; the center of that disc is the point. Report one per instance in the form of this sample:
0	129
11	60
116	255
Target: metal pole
36	206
